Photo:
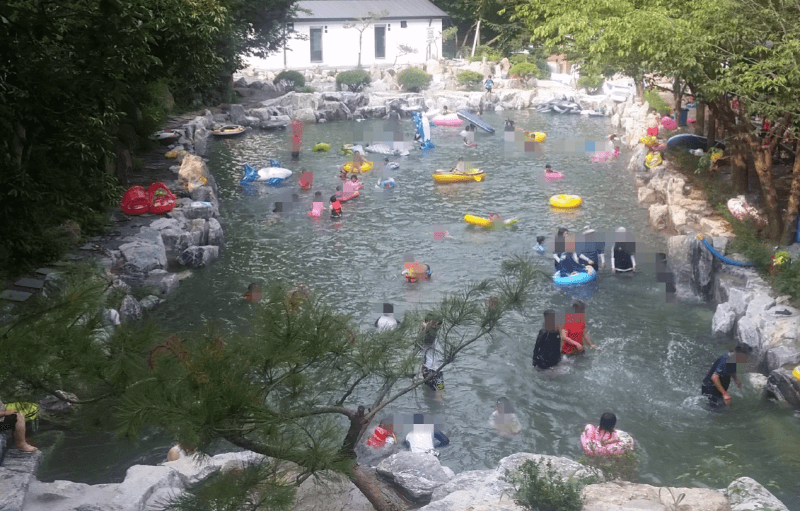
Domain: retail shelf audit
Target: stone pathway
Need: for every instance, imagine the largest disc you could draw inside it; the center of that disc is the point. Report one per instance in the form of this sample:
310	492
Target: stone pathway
16	474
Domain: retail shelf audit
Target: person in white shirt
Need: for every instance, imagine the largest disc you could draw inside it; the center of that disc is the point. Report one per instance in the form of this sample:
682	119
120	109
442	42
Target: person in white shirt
387	320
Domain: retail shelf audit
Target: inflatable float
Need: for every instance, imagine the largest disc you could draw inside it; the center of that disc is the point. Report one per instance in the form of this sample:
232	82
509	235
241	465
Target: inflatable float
273	175
322	146
601	156
441	176
536	136
446	120
474	119
690	141
416	271
392	165
593	447
346	196
386	185
423	127
166	137
743	211
553	176
485	222
565	201
365	167
561	106
653	160
228	130
574	279
385	149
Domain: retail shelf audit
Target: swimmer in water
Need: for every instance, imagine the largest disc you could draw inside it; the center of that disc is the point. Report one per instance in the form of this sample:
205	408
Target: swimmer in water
504	420
336	207
539	247
318	206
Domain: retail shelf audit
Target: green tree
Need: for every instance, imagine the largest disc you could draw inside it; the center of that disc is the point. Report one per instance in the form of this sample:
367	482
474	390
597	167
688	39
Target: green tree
300	385
362	23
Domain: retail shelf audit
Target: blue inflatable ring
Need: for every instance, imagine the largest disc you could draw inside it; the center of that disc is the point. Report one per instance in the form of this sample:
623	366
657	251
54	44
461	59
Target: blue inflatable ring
573	280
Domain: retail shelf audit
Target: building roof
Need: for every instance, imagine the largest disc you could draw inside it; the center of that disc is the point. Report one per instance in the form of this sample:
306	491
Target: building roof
351	9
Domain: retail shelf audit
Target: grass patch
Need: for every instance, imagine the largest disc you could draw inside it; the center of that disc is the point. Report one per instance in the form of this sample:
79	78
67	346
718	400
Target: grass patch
539	486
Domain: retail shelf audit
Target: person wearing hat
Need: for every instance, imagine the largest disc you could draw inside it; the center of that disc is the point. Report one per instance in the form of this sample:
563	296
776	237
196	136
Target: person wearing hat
623	258
591	251
387	320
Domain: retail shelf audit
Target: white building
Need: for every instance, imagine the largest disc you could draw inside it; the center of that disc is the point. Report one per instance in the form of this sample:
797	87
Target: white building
321	39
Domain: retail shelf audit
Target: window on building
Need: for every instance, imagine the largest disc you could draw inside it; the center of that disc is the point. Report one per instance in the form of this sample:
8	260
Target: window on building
316	44
380	42
403	24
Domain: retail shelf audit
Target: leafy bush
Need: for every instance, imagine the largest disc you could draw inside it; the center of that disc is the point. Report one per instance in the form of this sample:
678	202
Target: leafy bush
491	54
291	80
306	89
656	102
413	79
355	80
540	488
524	70
472	79
590	82
519	58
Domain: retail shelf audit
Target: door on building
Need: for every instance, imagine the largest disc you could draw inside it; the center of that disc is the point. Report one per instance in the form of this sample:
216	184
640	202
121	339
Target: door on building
316	44
380	42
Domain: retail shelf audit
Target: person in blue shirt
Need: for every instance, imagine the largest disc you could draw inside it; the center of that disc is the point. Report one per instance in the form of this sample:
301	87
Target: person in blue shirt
489	84
539	247
592	251
566	259
716	383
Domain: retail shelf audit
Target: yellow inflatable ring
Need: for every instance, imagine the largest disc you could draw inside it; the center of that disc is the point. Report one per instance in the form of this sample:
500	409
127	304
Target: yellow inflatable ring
565	201
536	136
365	167
796	372
485	222
322	146
653	160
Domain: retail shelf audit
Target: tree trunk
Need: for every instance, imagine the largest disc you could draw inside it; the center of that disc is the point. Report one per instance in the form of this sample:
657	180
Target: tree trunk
712	130
380	495
763	162
700	124
677	95
360	35
477	37
794	201
739	165
639	87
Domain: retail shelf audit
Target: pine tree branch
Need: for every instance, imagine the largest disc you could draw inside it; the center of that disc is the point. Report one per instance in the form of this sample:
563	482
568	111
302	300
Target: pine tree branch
341	401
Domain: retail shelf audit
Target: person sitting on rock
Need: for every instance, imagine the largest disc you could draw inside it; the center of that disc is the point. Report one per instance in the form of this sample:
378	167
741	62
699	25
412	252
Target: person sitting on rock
604	440
15	421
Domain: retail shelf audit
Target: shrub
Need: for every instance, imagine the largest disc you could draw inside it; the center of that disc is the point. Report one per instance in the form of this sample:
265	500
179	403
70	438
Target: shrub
524	70
472	79
355	80
519	58
541	488
622	466
491	54
291	80
590	82
306	89
413	79
656	102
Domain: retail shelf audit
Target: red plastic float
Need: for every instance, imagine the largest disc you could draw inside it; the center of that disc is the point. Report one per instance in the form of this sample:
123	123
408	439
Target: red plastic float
161	198
135	202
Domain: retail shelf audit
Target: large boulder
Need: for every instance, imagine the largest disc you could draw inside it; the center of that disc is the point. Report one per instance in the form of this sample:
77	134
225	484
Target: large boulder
130	310
433	67
237	114
416	474
141	481
784	387
145	251
625	496
330	492
199	257
723	321
746	494
659	217
215	234
162	282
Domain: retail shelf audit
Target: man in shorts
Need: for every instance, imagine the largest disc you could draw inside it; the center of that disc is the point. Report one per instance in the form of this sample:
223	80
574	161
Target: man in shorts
716	383
15	421
431	356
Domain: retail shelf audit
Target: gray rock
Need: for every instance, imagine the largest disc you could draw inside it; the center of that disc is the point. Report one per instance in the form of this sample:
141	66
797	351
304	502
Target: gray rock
162	281
52	405
146	252
200	209
724	320
760	303
241	82
175	242
738	300
416	474
704	269
202	194
251	121
749	333
463	481
198	257
625	496
198	229
200	141
215	235
636	163
783	386
745	494
150	302
257	84
141	482
130	310
564	467
237	114
780	356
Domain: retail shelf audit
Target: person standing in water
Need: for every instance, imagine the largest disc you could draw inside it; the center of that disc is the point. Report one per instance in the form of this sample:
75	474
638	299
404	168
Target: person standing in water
591	251
716	383
574	332
432	357
623	257
547	350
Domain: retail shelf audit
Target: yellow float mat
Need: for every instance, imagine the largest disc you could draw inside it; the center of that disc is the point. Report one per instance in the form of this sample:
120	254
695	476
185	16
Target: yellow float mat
365	167
29	410
565	201
653	160
485	222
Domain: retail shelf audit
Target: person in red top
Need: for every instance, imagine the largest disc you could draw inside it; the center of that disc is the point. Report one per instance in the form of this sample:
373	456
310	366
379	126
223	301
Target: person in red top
336	207
254	293
574	332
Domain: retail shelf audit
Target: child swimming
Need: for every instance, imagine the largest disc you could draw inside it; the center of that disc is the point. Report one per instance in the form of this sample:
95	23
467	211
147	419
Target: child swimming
336	207
317	207
539	247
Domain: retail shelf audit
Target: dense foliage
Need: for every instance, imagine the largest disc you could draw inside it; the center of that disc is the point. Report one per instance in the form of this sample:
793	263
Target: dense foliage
472	79
291	80
83	81
355	80
524	70
656	102
413	79
539	486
